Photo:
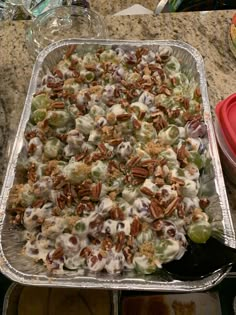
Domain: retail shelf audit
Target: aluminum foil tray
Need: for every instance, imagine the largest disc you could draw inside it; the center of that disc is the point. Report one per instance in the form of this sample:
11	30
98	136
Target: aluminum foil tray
23	270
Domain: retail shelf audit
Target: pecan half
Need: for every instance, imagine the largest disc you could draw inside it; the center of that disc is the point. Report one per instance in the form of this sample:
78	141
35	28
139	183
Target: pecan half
123	117
102	148
116	213
136	123
58	105
120	241
96	191
139	172
155	209
135	227
147	191
171	207
133	161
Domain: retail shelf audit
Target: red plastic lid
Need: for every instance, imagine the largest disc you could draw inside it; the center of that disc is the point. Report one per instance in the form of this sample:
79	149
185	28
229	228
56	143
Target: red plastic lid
226	114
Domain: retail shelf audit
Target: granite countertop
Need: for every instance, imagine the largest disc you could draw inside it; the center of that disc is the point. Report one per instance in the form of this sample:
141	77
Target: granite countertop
206	31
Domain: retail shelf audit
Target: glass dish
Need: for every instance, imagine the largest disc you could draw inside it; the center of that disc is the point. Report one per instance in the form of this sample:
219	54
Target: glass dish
61	23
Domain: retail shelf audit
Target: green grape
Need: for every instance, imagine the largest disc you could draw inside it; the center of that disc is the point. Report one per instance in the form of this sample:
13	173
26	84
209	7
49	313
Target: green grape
58	118
89	76
76	172
39	115
196	159
143	265
52	148
80	227
199	232
40	101
169	135
166	250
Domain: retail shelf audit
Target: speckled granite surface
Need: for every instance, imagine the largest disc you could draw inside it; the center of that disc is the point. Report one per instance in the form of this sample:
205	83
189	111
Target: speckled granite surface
105	7
205	31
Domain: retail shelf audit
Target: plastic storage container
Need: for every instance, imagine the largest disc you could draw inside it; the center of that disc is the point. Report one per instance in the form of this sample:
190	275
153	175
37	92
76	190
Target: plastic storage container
225	128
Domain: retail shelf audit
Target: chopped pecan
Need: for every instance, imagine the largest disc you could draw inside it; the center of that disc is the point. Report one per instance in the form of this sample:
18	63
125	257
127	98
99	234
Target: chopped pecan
97	222
186	103
32	176
159	181
16	210
182	153
148	162
58	253
111	118
86	252
31	149
120	241
61	202
94	240
137	181
18	219
180	210
58	105
141	115
133	161
204	203
96	156
197	92
123	117
173	113
113	195
90	67
70	50
38	203
177	180
156	209
135	227
56	211
159	123
136	123
107	243
82	192
115	142
96	191
127	251
130	240
80	156
139	172
157	225
102	148
117	213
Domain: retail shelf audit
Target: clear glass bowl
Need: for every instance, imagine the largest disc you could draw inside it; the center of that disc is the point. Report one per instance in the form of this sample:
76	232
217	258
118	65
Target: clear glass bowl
61	23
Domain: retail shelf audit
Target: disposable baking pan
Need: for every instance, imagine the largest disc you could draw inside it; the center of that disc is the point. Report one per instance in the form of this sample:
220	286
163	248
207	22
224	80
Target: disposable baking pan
23	270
